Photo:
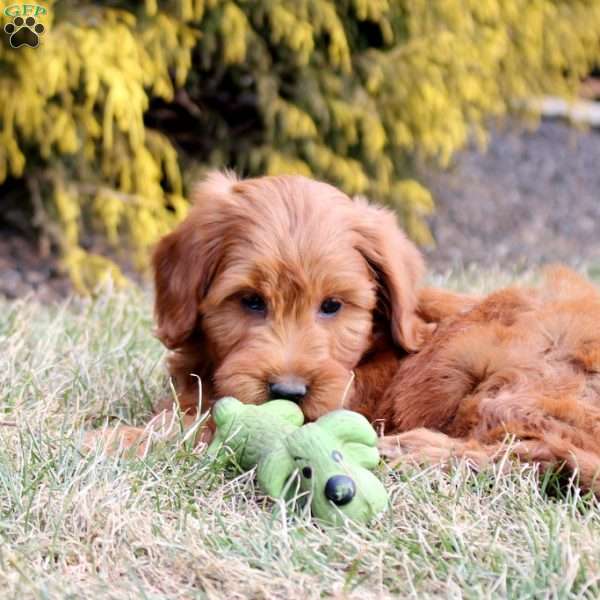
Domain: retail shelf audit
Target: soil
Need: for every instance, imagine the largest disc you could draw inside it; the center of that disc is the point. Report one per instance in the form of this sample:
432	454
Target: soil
532	198
24	269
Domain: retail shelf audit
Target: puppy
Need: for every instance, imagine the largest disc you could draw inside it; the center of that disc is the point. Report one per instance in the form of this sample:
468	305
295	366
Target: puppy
283	287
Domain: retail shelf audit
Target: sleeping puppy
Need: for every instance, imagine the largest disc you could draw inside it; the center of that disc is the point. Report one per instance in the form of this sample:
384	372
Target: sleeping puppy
284	287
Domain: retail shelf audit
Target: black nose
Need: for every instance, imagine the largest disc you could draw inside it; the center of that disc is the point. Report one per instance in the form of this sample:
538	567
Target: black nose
340	489
291	389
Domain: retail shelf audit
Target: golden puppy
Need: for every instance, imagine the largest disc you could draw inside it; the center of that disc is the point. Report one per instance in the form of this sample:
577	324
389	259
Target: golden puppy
283	287
279	287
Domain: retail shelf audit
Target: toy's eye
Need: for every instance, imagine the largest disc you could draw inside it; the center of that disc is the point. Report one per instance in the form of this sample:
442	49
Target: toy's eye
254	303
330	306
307	472
337	456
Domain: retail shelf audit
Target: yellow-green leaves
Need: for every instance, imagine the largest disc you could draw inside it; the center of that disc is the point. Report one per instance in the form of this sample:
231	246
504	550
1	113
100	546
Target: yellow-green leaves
351	92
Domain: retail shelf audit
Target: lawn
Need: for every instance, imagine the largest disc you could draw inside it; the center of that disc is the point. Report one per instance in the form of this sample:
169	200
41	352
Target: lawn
172	526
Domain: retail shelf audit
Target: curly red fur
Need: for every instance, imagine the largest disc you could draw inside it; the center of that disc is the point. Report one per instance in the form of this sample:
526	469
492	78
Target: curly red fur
444	374
295	242
522	362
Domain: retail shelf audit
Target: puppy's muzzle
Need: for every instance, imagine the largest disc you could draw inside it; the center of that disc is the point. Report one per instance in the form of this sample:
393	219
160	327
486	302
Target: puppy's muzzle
288	389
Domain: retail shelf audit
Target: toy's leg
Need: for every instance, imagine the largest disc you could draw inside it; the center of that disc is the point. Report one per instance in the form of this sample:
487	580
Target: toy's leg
165	426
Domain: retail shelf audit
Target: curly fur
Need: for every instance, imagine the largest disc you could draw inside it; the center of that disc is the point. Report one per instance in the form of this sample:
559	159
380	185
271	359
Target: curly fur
443	374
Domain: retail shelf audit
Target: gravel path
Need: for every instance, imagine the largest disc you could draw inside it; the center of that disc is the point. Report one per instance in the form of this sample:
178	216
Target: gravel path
533	197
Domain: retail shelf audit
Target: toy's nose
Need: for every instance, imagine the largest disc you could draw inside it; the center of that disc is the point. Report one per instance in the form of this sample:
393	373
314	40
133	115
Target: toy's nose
288	389
340	489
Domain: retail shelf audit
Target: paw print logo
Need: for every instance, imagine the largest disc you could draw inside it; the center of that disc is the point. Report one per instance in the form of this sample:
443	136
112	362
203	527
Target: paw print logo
24	32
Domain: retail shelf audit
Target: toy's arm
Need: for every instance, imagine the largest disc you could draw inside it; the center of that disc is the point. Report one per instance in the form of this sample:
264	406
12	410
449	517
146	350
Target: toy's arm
225	409
223	416
274	469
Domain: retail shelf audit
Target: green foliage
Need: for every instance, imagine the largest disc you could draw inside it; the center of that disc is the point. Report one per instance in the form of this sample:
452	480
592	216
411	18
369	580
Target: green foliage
121	98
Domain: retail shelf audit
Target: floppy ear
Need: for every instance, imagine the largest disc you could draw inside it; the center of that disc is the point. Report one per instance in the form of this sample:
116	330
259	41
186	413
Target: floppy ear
348	426
358	439
398	267
185	261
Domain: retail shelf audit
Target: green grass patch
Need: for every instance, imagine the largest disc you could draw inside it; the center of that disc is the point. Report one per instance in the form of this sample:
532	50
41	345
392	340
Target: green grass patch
173	526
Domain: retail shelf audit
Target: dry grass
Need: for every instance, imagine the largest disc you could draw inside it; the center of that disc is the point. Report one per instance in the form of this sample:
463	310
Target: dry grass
173	526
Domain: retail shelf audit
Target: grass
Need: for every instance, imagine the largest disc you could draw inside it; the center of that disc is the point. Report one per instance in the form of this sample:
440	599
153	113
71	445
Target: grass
173	526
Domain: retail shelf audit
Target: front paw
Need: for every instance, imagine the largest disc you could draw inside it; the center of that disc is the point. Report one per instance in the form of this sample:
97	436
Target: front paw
115	440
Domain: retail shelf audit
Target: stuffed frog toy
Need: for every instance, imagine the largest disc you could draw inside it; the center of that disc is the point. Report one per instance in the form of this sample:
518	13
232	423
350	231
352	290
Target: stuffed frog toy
328	460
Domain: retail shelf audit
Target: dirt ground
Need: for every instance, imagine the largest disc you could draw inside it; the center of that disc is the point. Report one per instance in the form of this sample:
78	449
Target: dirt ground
532	198
23	270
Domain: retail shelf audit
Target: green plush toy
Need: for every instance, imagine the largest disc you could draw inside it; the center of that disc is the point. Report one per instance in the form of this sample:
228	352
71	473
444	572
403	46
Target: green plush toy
330	458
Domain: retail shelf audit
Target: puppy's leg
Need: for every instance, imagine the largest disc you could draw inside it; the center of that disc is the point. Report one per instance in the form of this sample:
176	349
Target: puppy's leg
164	426
424	446
436	304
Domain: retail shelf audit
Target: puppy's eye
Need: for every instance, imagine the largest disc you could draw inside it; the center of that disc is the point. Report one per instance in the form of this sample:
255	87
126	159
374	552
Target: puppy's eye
330	306
254	303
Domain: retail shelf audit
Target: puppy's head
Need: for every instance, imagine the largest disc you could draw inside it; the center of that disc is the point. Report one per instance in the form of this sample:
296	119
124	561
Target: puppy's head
279	278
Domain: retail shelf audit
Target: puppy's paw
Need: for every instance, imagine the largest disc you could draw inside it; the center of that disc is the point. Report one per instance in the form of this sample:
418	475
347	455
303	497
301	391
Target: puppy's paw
115	440
166	426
